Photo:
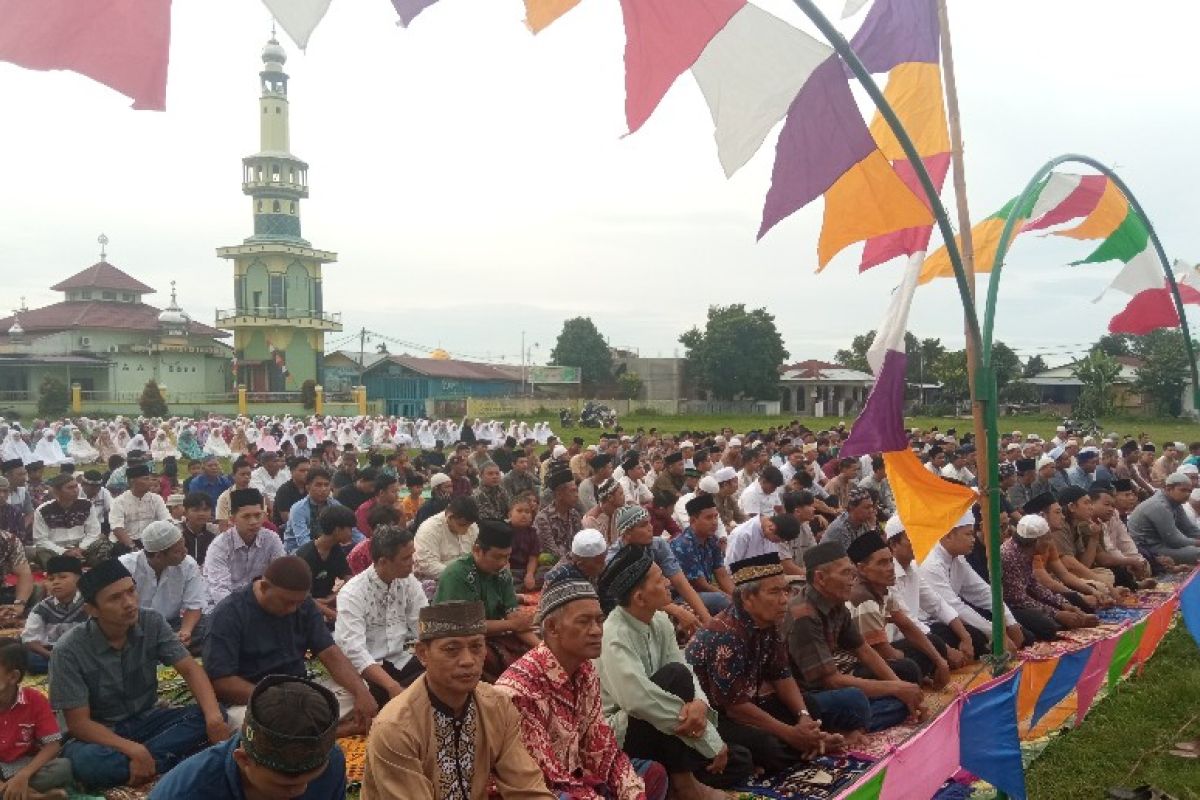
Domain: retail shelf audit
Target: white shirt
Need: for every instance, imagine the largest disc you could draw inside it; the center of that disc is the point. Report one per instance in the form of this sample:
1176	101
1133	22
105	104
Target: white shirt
179	588
680	513
134	514
376	620
437	545
59	540
755	501
965	475
919	602
261	479
961	587
747	541
1190	510
636	492
102	502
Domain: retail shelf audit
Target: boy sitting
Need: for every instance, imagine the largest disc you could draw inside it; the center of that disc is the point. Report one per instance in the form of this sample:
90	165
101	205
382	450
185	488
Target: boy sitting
30	740
59	611
326	557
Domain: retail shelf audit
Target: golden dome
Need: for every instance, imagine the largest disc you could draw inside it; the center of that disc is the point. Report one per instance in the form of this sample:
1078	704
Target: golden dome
440	355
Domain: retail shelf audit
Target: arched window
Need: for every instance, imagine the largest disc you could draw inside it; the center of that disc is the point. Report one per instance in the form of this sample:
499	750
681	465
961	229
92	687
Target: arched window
292	208
275	207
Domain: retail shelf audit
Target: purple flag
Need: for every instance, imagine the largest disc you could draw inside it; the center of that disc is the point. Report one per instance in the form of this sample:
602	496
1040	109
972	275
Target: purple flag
823	136
898	32
408	9
880	426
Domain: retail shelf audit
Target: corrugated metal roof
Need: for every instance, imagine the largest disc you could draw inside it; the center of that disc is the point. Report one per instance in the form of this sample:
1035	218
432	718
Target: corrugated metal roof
449	368
103	275
74	315
814	370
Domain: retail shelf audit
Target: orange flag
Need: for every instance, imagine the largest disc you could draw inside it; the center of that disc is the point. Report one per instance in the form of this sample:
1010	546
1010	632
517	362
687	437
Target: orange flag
928	506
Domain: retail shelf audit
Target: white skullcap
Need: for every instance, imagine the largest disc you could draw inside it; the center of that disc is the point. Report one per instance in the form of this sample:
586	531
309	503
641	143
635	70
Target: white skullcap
710	484
735	442
1056	452
1061	429
725	474
894	527
1190	469
439	479
1176	478
1045	461
159	535
558	452
588	543
1013	446
687	443
1195	496
1032	526
1180	446
967	519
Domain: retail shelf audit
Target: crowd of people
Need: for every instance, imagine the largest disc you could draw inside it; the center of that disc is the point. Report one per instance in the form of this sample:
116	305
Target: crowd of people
492	606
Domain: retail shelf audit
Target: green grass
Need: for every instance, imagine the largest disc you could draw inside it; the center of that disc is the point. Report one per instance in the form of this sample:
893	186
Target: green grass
1160	430
1125	739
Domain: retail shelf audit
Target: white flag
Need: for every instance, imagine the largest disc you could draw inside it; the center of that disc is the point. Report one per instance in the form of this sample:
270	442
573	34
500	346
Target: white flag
890	335
298	17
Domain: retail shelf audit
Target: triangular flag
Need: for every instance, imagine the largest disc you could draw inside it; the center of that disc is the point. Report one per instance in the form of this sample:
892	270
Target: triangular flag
663	38
1141	273
540	13
123	44
913	240
897	32
1129	239
1152	309
1105	218
749	74
409	9
890	334
928	505
298	18
985	240
1086	194
853	7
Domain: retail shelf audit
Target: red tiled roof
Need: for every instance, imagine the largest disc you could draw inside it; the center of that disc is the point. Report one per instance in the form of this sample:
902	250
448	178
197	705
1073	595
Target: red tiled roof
447	368
103	275
98	314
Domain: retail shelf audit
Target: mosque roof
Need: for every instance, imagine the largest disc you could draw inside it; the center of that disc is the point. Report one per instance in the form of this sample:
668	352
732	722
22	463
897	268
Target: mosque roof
82	314
103	275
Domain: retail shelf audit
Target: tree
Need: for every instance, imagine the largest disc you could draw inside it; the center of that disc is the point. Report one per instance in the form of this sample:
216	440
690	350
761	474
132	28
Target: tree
950	370
1096	372
738	353
152	402
1164	373
856	356
581	345
1116	344
922	353
53	397
630	384
1006	363
1034	366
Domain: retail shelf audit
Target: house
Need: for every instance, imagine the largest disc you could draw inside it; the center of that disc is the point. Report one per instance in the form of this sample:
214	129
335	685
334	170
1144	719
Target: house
821	389
412	387
341	370
1060	388
102	336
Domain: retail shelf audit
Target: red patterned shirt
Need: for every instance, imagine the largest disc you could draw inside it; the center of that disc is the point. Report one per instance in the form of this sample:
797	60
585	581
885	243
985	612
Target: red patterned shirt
564	729
27	726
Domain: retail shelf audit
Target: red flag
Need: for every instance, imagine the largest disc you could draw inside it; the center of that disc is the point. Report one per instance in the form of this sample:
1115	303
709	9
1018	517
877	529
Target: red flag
1152	309
120	43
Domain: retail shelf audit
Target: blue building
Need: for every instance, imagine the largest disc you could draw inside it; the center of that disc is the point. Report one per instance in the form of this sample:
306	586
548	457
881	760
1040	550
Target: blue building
416	387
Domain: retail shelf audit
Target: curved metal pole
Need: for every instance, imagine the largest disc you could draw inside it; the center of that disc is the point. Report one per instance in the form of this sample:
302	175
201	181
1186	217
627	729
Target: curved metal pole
983	389
989	317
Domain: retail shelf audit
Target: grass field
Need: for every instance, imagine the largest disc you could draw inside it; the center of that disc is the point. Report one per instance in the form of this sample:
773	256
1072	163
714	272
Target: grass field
1160	430
1125	738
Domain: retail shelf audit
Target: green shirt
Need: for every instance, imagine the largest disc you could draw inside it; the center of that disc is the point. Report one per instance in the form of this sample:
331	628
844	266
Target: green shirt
631	652
462	580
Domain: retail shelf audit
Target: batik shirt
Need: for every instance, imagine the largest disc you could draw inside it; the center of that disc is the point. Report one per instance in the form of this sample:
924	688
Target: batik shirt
12	553
732	658
455	736
1021	589
555	530
493	502
564	729
698	559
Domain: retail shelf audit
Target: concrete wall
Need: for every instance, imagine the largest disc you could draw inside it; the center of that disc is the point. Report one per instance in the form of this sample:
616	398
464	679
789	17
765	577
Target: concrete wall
662	378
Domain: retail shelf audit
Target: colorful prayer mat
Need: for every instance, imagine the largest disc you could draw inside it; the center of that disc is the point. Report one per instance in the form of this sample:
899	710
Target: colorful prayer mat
822	778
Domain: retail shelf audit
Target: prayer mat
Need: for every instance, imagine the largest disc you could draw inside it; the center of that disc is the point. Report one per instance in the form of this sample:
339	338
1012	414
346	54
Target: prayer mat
11	633
1118	614
355	750
880	744
130	793
822	778
953	790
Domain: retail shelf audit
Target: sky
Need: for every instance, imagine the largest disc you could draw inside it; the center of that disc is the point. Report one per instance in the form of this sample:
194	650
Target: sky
476	182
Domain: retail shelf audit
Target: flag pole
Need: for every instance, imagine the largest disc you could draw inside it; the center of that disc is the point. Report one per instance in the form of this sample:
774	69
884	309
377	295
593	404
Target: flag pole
980	376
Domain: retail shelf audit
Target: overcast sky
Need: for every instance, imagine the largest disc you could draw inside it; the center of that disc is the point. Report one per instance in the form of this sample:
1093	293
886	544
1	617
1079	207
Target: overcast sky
475	183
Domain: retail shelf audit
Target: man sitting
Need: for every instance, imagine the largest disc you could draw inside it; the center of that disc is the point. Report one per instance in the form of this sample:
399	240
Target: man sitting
652	699
1160	526
446	536
14	599
945	570
242	470
558	520
739	652
326	557
387	494
377	615
197	526
240	554
286	748
760	535
876	609
447	735
828	652
483	575
59	611
265	629
302	519
1037	608
700	556
136	507
68	525
104	678
555	689
585	561
858	519
169	581
609	498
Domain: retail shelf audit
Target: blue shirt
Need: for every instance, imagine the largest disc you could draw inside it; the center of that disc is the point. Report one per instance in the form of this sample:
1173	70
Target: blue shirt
213	775
213	487
244	640
301	519
661	551
698	559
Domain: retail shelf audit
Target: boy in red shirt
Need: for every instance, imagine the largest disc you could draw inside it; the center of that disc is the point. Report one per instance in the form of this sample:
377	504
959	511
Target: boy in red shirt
30	740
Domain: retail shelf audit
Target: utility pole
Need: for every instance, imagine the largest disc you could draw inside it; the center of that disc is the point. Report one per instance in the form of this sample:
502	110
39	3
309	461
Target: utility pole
522	362
362	354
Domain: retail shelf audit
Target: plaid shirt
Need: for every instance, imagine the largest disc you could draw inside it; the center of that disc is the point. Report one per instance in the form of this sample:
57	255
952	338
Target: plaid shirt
820	635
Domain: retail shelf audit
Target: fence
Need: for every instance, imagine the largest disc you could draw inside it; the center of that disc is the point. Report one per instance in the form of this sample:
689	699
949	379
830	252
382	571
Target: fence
497	407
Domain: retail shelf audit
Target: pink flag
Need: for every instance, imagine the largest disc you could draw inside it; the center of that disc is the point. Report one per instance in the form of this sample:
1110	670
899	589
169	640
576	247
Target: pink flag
121	43
922	763
663	38
1093	675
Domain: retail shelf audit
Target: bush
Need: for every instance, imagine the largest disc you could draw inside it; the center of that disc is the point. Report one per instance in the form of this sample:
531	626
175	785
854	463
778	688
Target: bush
152	402
308	394
54	398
